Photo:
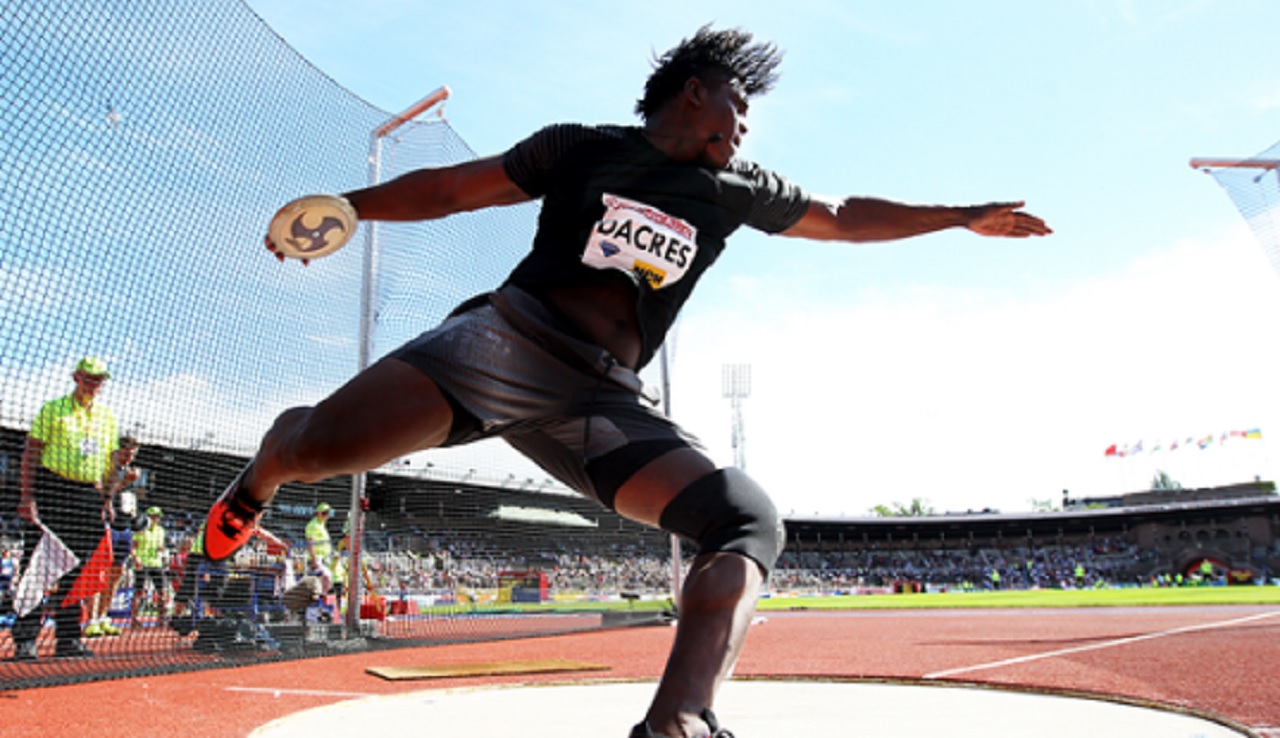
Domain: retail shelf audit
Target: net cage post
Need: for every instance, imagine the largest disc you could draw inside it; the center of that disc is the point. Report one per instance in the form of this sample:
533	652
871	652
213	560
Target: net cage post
368	292
664	364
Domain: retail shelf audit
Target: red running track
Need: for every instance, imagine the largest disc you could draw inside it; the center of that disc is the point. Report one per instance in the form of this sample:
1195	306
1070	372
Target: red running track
1224	661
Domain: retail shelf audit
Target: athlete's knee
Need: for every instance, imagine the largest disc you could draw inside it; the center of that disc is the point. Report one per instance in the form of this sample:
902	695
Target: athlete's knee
727	511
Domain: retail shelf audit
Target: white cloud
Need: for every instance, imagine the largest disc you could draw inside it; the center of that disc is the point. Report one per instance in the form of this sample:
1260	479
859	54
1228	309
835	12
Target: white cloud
974	400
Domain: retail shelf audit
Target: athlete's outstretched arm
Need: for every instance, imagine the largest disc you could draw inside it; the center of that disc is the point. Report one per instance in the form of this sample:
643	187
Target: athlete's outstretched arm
872	219
425	194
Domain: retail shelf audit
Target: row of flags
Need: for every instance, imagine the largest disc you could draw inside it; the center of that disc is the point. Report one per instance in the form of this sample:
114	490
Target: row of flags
1123	450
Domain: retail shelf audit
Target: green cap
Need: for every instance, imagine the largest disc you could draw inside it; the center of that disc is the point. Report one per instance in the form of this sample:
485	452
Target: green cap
154	511
93	366
323	507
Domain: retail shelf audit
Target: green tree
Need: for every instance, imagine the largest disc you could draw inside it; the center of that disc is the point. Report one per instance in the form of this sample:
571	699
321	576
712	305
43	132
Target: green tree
1163	482
917	508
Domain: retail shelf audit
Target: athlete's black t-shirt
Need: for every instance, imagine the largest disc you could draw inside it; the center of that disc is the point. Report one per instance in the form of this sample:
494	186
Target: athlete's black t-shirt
616	207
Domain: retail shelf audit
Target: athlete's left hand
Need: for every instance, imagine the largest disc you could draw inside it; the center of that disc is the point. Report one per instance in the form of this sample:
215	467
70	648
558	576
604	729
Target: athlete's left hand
1004	219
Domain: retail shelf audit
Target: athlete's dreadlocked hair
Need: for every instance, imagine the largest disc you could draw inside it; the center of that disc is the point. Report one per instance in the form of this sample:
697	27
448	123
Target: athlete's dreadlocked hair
729	52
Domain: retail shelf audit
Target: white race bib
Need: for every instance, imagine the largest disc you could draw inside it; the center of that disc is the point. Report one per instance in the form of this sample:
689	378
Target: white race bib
644	241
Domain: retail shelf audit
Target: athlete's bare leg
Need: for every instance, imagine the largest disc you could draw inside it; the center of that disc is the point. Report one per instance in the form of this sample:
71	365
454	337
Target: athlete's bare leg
386	411
716	606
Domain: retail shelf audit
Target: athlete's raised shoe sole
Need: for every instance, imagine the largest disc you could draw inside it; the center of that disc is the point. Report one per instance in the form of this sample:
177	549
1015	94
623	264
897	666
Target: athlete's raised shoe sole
231	521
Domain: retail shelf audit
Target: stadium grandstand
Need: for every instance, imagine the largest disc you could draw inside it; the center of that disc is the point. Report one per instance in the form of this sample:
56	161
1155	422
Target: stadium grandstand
1139	539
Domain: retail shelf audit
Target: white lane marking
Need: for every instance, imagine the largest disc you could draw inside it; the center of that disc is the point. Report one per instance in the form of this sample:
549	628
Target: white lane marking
303	692
1096	646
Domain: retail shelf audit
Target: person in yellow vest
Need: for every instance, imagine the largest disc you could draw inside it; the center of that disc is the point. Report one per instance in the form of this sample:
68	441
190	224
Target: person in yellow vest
320	546
151	567
63	485
342	558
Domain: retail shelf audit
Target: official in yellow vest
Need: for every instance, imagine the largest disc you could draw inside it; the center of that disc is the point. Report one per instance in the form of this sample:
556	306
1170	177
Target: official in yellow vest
62	484
1207	573
151	568
320	546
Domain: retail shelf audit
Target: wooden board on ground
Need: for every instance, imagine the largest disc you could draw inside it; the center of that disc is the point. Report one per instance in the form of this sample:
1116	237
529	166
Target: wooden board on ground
491	668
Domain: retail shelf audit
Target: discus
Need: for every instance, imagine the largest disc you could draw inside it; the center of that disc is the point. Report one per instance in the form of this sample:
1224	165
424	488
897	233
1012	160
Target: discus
313	226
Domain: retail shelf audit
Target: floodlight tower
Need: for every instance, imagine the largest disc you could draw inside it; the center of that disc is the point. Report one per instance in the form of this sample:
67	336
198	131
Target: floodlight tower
736	385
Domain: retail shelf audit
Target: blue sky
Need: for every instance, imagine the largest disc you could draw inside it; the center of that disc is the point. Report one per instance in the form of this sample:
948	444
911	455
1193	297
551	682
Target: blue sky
972	373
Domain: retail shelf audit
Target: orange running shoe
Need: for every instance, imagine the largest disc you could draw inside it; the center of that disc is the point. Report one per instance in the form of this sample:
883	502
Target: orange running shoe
231	521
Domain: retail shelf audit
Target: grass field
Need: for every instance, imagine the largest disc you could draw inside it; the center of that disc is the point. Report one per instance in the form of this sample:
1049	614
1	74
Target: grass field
1118	597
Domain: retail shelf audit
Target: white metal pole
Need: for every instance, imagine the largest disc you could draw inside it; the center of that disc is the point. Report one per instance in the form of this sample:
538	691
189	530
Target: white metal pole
676	584
368	296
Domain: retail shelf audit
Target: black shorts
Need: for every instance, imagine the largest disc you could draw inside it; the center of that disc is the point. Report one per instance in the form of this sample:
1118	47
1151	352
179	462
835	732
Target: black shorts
512	369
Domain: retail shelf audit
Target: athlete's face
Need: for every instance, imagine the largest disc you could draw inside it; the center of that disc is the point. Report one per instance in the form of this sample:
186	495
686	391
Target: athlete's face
724	119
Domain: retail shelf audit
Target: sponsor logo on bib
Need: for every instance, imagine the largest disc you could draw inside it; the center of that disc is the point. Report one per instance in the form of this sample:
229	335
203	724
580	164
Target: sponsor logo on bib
633	237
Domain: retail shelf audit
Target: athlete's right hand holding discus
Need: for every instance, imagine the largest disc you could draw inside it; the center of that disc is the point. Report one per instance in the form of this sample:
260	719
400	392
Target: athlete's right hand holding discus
311	227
